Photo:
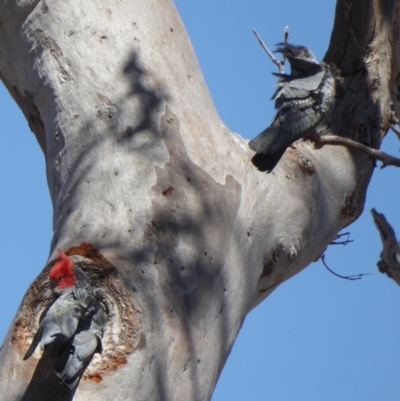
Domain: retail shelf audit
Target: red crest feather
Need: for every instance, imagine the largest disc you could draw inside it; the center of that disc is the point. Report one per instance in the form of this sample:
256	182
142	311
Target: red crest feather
62	271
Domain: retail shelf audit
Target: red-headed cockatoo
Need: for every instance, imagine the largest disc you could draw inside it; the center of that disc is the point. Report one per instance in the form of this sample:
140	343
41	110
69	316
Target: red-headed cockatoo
73	326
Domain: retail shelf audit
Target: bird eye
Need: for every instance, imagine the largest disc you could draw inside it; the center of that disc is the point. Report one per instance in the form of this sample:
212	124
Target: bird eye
59	278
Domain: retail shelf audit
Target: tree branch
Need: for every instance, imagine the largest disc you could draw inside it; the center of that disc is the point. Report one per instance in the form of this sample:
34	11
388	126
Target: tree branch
194	260
352	277
390	255
281	63
345	242
387	160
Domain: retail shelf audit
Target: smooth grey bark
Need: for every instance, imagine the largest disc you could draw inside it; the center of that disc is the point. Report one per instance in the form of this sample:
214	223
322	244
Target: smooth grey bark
160	198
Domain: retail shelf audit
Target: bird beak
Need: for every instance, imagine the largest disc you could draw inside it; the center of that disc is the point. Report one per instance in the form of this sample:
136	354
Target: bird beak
53	284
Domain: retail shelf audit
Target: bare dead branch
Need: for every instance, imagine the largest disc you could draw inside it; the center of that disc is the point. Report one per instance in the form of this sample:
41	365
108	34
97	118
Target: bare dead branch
345	242
390	255
351	278
286	34
387	160
281	63
285	40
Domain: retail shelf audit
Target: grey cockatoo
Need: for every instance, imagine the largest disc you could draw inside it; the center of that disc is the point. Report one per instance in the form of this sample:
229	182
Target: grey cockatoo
303	100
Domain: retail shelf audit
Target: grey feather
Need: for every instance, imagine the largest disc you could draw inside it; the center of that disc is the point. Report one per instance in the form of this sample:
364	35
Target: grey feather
85	343
58	325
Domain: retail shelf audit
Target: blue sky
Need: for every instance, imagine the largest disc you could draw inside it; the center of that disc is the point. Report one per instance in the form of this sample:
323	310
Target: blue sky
317	337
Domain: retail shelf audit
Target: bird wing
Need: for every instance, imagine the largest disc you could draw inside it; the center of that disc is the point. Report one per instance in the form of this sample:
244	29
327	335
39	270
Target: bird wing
293	121
310	83
297	88
85	344
65	314
69	365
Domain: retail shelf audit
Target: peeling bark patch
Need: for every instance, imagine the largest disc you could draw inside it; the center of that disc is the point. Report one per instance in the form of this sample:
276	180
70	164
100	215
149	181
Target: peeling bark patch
120	361
106	111
350	206
347	209
269	266
291	151
168	191
35	302
88	251
48	43
374	85
96	378
305	164
104	99
122	333
188	228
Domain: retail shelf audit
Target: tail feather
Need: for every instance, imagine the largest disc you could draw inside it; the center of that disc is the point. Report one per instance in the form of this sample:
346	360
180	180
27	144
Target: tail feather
267	162
263	141
34	343
75	358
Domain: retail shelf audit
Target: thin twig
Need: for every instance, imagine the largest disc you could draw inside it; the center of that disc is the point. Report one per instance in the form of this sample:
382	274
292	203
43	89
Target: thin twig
286	34
351	278
285	40
387	160
271	56
345	242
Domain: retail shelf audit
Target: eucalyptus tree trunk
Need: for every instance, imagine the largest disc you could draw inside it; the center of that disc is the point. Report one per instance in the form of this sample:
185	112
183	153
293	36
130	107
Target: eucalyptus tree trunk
160	199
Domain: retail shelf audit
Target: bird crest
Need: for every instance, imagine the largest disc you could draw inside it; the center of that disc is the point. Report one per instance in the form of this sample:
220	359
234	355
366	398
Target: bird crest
62	272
